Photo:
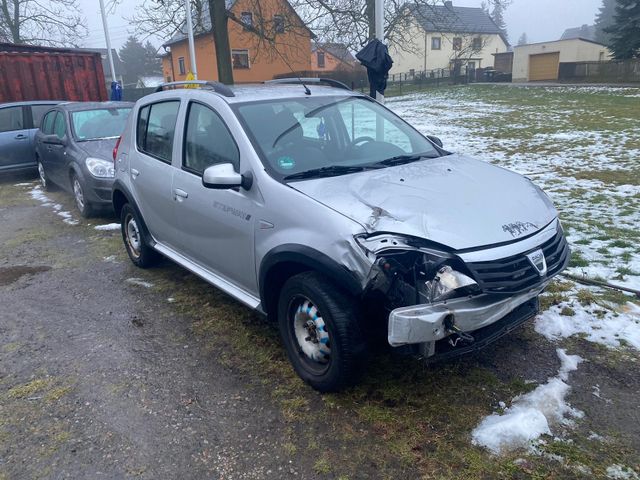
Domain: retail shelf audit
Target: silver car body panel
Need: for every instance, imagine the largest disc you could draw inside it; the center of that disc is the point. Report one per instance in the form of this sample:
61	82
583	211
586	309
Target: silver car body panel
453	200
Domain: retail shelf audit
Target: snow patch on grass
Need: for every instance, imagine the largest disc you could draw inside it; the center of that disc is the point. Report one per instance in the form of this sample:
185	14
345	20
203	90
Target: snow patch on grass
621	472
108	226
610	328
139	282
531	415
37	194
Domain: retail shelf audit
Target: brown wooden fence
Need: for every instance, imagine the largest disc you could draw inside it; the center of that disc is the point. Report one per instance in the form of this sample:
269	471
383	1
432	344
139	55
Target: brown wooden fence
627	71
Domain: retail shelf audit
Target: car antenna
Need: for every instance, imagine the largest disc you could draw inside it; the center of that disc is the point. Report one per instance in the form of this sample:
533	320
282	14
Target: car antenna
306	89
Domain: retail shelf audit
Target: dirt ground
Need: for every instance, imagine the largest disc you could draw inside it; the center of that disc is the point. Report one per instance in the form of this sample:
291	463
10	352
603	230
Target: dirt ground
108	371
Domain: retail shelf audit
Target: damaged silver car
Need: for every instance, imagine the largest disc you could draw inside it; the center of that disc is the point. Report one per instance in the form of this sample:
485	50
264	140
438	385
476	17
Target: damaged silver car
322	209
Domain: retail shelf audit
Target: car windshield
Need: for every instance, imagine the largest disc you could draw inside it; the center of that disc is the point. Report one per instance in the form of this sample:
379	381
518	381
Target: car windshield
99	123
324	136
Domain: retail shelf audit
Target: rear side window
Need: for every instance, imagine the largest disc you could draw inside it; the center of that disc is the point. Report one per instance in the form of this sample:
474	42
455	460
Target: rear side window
207	141
11	118
59	128
47	123
156	128
37	111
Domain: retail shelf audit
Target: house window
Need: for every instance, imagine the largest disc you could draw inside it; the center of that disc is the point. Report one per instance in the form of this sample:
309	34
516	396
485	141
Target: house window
240	59
320	59
247	19
457	43
436	43
471	65
477	44
278	23
181	68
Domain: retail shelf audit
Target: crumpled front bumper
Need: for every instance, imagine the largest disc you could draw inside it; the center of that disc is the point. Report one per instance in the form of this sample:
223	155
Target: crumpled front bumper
426	323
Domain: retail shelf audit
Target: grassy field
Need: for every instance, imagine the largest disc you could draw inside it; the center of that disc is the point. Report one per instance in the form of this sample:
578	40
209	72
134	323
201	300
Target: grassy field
409	420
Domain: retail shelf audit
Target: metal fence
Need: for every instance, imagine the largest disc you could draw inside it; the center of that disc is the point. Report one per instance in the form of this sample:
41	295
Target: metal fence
627	71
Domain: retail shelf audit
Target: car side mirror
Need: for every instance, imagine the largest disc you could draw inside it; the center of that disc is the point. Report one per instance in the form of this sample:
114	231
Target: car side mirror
435	140
223	176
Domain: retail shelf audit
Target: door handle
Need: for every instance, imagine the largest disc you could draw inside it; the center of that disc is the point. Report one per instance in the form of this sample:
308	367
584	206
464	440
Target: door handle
134	173
20	137
180	193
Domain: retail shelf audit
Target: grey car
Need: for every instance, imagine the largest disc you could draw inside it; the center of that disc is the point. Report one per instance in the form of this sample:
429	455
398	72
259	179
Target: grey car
18	125
322	209
74	150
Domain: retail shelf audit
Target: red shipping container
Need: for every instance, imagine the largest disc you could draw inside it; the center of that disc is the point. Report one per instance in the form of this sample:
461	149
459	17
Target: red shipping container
28	72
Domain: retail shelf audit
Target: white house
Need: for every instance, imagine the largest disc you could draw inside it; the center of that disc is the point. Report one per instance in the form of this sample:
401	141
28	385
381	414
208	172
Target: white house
443	35
541	61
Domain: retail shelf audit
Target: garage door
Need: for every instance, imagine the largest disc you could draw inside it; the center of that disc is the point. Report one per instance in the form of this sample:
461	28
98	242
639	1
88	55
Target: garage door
544	66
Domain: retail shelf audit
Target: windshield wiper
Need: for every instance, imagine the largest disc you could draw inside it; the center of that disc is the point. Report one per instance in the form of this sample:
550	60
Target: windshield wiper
402	159
330	171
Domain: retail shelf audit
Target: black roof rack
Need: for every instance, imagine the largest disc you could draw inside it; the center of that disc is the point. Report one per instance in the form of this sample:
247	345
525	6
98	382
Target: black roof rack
295	80
217	87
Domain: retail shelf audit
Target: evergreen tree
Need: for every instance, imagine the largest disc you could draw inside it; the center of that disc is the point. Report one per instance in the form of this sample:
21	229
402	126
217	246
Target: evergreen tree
604	20
138	60
523	40
625	31
497	14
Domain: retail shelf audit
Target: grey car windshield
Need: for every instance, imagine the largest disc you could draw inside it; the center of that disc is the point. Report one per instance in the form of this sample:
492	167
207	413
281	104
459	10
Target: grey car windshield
99	123
320	136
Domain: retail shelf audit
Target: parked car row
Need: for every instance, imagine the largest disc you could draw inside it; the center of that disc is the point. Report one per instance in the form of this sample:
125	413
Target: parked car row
313	205
69	143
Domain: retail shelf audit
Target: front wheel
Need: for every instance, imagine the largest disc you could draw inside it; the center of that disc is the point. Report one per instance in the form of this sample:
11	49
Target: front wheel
85	208
320	328
140	252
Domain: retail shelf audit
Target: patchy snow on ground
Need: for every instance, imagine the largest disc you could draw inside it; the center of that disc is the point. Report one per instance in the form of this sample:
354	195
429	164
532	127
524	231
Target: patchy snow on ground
139	282
568	140
621	472
108	226
530	415
37	194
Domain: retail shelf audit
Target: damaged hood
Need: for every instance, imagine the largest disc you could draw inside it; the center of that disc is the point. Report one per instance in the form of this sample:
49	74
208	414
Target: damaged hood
452	200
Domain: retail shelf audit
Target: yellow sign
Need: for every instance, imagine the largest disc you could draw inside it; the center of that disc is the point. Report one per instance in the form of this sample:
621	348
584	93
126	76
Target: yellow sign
191	77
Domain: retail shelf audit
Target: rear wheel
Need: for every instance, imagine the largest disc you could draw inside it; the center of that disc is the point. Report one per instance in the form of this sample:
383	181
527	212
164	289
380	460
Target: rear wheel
85	208
140	252
319	325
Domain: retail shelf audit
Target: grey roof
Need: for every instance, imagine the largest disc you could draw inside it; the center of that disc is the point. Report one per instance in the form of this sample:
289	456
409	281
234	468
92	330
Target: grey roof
587	32
200	25
80	106
442	18
338	50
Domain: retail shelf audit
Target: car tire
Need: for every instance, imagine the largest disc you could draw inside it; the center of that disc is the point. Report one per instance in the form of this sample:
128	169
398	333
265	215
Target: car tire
45	183
320	328
140	252
79	196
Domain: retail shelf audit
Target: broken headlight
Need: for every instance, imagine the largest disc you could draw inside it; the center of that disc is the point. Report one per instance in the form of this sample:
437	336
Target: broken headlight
408	273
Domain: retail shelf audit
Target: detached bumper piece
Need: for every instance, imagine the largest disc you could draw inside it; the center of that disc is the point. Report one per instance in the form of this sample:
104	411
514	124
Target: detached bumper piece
483	337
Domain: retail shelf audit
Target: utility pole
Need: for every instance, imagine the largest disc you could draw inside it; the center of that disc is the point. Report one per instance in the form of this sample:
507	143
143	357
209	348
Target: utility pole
379	18
192	51
108	39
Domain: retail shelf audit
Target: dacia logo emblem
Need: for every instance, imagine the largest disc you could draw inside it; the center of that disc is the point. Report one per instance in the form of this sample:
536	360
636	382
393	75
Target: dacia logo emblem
538	261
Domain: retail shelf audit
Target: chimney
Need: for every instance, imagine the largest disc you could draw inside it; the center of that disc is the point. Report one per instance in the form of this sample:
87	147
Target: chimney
448	4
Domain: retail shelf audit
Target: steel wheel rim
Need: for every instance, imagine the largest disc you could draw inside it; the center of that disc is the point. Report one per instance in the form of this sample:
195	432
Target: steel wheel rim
310	333
78	194
43	179
132	234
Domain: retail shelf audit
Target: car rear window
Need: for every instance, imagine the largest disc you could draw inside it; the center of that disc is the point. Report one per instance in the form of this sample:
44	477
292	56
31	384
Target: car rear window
156	128
11	118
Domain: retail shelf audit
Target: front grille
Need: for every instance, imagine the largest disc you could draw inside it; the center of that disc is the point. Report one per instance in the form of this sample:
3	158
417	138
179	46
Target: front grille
516	274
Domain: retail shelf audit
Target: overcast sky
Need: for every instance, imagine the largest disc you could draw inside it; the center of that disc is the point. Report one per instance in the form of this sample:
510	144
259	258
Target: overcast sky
543	20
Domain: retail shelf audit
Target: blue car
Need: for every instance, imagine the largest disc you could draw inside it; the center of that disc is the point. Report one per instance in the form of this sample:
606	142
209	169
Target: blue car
18	125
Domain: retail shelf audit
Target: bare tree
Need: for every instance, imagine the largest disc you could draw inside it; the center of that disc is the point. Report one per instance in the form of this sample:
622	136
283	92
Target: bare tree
42	22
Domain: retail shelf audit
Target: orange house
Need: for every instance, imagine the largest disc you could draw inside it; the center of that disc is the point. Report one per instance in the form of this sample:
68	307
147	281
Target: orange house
254	59
329	57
